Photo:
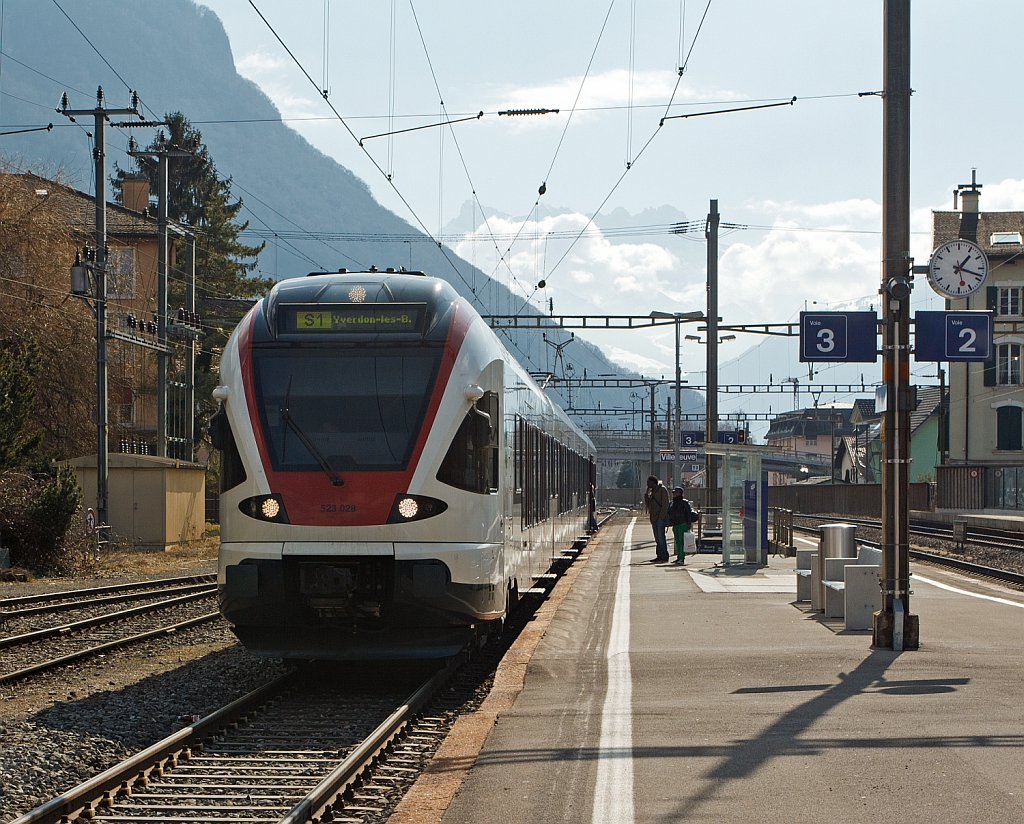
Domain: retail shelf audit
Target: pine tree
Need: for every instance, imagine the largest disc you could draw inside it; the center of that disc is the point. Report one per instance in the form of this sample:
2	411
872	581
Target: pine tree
19	365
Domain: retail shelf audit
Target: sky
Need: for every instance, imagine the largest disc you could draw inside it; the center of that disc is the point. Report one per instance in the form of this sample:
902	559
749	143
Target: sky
798	186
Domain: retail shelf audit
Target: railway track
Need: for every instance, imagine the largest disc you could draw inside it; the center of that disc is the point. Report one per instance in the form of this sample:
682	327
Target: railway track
979	536
56	602
35	650
308	746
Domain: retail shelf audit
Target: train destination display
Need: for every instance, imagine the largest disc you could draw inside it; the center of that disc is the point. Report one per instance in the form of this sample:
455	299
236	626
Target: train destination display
364	317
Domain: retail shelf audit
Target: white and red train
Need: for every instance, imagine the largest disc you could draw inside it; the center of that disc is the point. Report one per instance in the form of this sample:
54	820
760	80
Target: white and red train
391	477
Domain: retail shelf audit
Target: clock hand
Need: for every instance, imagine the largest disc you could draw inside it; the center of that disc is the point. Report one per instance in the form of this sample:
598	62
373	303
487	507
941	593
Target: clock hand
969	272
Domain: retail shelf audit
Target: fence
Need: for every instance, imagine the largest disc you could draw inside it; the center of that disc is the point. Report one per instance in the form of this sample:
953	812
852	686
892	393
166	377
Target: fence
844	499
980	487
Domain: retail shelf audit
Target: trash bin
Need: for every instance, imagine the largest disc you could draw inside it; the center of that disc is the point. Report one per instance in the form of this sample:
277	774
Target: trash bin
834	541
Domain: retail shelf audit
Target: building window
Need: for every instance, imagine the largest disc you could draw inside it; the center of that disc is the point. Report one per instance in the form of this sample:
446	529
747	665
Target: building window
811	440
121	274
1009	300
1008	428
1008	364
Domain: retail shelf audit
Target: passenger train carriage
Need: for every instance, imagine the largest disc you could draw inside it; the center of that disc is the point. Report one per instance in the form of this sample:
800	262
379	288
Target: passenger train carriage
391	478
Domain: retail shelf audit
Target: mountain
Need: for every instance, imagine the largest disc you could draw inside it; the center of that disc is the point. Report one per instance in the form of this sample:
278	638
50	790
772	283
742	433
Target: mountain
177	56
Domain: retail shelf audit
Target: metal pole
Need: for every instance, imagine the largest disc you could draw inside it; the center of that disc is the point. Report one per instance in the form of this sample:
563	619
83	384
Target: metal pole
100	273
943	420
677	473
190	355
100	115
161	307
652	430
887	631
711	391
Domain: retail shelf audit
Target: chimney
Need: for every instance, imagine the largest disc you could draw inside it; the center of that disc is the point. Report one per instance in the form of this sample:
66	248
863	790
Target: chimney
969	214
135	193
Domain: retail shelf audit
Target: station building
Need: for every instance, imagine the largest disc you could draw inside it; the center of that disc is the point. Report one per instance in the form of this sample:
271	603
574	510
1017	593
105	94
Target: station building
985	465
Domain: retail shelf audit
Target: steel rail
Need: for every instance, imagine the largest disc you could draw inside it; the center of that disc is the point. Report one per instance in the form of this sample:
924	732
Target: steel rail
49	609
328	791
89	623
100	790
80	593
54	663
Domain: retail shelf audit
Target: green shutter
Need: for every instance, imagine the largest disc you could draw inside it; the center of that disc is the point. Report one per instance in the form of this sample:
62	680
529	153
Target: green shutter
991	303
1008	428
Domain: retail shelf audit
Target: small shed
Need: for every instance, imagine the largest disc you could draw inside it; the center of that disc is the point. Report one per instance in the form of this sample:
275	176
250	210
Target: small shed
152	502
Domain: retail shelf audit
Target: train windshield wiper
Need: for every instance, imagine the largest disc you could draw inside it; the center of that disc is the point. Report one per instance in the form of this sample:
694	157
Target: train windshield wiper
286	416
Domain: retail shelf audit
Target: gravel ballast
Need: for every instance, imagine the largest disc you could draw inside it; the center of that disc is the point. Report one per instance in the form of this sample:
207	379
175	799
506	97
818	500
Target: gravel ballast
59	729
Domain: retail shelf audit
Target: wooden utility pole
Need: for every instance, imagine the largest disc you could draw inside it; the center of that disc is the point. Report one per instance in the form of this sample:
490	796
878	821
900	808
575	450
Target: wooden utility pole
894	627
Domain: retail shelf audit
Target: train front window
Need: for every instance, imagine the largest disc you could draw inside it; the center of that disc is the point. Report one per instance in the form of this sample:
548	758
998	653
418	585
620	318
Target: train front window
361	410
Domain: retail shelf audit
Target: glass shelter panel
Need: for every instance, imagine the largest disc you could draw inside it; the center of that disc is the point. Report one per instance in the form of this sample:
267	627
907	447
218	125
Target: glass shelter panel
741	491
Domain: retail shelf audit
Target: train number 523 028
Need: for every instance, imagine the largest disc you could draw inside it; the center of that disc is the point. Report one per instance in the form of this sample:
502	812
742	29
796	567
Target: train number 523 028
337	507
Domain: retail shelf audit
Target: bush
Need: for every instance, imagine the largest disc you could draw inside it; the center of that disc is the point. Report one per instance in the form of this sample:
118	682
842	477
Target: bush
37	521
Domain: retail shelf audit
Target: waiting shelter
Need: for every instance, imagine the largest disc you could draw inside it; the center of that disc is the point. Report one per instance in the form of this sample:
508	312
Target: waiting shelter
744	503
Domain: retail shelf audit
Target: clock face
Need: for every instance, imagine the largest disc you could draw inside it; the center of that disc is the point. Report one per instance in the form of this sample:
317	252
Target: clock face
958	268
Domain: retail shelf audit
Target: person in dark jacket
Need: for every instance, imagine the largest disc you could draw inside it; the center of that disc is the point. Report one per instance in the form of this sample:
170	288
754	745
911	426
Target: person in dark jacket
656	499
679	517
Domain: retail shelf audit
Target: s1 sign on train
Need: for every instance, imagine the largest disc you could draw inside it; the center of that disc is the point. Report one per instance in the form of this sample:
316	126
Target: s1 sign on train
391	477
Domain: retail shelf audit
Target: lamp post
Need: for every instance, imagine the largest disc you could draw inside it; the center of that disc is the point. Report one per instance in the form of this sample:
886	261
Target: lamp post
678	317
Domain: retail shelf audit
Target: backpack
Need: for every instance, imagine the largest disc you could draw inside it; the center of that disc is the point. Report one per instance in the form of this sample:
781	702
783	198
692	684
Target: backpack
692	515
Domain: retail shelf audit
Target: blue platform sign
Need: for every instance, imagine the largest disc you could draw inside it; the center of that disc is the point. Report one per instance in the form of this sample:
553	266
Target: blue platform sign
729	437
691	438
956	337
838	337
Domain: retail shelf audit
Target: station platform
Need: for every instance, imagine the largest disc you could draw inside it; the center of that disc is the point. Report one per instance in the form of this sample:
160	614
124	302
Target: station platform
663	693
987	520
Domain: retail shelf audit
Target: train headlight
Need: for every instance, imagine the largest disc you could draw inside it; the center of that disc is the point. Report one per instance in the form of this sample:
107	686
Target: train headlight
265	508
414	508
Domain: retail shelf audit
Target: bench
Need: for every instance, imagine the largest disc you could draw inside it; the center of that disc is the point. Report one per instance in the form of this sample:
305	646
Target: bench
805	560
850	587
834	585
863	597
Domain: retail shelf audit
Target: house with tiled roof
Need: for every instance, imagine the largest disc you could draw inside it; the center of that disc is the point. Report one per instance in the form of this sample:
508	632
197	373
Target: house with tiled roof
813	432
131	291
985	469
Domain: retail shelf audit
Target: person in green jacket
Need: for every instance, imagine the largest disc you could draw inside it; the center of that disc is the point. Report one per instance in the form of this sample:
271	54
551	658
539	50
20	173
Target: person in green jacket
680	515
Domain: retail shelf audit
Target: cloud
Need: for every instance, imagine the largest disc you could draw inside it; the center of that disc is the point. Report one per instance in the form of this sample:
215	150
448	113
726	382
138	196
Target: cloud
860	213
1007	196
769	280
617	278
763	278
268	71
605	89
259	63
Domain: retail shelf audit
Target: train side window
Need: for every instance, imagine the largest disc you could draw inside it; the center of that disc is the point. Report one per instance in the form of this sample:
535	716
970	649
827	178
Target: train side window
232	470
471	462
